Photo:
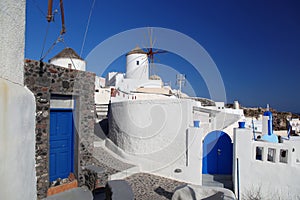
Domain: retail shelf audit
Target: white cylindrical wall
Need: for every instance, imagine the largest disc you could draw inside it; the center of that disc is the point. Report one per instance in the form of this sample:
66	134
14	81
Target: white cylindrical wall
155	135
137	66
265	124
68	63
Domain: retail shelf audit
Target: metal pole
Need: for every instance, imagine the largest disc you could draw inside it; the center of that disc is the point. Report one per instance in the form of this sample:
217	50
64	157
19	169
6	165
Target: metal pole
49	16
63	27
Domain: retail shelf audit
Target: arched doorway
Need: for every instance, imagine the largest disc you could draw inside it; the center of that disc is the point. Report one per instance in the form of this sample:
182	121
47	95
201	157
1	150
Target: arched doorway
217	153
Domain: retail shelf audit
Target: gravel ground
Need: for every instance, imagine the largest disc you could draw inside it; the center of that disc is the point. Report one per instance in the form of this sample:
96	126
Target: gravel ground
109	163
147	186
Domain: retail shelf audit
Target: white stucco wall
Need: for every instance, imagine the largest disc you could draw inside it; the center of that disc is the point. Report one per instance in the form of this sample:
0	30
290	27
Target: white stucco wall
143	127
17	108
102	96
155	135
65	62
12	34
17	142
128	85
273	180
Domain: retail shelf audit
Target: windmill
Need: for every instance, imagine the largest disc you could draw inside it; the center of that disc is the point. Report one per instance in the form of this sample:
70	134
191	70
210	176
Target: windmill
150	51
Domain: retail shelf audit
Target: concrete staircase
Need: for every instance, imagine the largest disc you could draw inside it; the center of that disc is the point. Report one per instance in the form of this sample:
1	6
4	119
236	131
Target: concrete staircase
215	180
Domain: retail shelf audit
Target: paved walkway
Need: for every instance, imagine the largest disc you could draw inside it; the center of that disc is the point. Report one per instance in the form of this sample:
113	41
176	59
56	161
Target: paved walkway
109	163
73	194
148	186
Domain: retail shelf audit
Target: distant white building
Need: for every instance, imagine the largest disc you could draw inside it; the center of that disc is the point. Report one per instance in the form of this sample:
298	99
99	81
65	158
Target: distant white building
295	125
68	58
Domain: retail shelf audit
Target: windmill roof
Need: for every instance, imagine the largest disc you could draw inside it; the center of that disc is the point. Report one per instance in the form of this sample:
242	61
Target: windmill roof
136	50
67	53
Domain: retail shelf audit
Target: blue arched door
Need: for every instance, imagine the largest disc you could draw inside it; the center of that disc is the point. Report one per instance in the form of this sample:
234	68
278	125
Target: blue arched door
217	153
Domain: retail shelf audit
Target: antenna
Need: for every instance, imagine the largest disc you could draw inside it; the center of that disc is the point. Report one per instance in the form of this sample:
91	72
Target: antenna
180	81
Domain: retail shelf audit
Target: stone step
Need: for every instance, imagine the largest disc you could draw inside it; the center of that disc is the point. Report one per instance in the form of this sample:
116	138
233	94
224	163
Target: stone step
224	181
212	184
216	177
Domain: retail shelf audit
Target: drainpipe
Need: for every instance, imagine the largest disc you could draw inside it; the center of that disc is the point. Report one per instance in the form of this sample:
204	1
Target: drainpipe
238	178
254	136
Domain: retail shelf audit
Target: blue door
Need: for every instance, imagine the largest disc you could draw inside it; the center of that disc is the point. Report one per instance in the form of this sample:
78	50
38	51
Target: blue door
61	144
217	153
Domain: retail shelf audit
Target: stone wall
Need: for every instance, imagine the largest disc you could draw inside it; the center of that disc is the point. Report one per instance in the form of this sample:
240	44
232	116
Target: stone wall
44	80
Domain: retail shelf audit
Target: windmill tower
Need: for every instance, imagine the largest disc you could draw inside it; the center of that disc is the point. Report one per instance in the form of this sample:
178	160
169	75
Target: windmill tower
137	64
139	60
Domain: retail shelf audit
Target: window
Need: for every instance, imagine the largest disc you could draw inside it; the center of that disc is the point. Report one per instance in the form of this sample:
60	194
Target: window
137	62
271	154
259	153
69	65
283	157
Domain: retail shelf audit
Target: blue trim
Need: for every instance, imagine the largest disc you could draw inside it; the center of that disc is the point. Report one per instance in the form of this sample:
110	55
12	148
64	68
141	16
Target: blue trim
61	109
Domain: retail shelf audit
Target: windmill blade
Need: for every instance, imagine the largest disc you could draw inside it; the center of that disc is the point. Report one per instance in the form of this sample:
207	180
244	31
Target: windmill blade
159	51
150	35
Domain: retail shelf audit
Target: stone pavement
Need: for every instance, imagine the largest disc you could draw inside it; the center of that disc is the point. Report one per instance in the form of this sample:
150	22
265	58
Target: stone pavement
148	186
73	194
109	163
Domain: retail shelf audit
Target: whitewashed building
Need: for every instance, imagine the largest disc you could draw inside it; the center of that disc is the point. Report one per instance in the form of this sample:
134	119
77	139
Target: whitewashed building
17	108
68	58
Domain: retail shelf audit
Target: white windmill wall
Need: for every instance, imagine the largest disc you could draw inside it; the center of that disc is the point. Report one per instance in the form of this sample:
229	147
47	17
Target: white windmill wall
67	63
137	66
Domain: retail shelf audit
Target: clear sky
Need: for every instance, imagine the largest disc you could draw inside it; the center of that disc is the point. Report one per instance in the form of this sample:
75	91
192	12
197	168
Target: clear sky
255	44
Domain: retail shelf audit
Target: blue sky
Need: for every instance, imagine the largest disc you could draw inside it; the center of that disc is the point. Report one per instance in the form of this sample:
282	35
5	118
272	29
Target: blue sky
255	44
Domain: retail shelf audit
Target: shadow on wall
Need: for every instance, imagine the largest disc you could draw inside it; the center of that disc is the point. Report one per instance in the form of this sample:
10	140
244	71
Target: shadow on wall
101	129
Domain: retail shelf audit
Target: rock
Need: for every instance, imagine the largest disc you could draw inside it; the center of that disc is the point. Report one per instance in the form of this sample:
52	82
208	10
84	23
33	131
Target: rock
119	189
195	192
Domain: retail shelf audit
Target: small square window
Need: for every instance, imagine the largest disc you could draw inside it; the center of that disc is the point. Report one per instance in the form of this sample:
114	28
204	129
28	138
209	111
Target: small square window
259	153
271	154
137	62
283	158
